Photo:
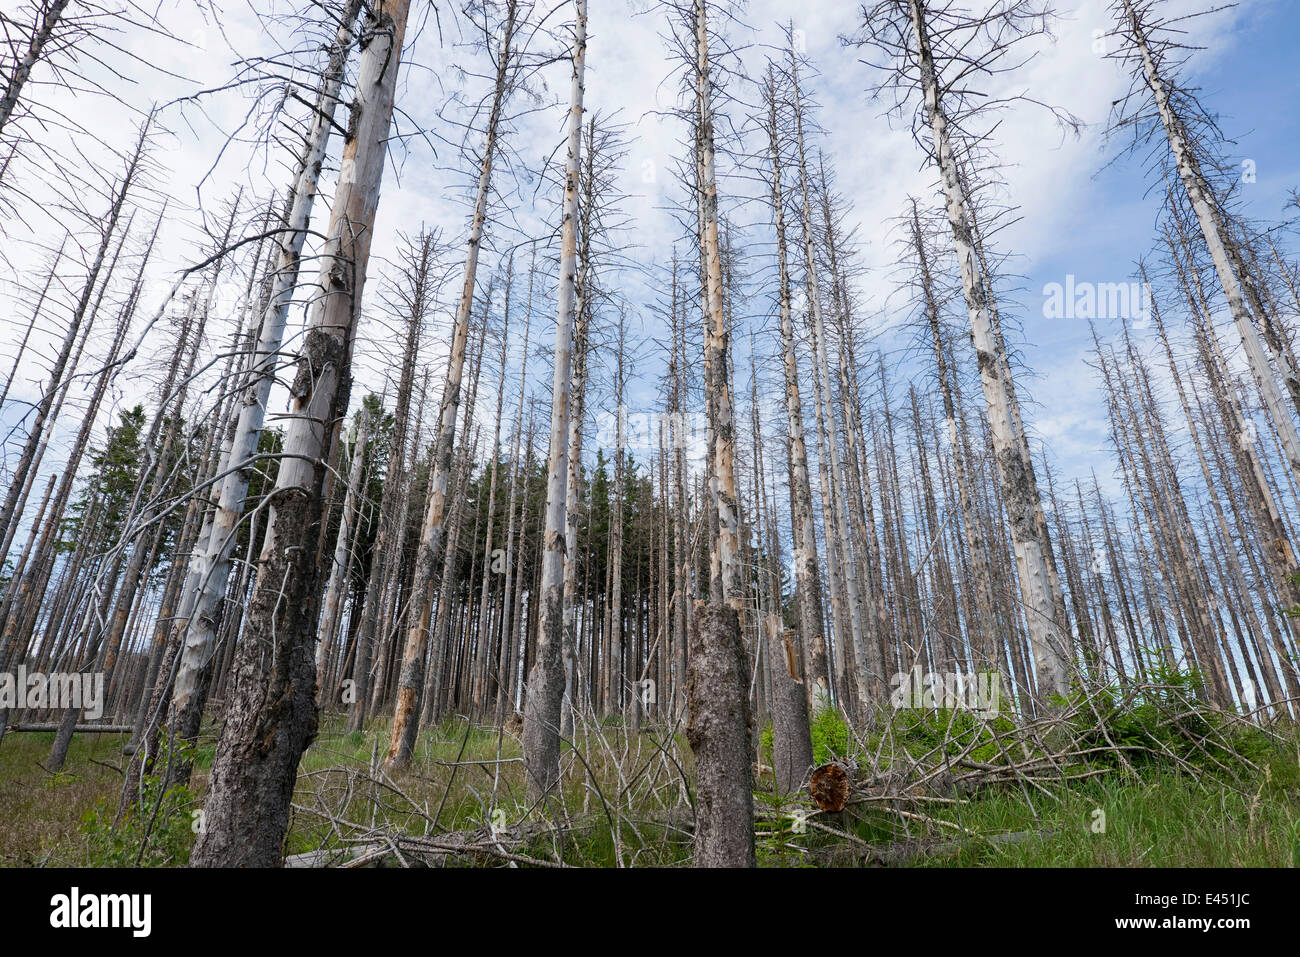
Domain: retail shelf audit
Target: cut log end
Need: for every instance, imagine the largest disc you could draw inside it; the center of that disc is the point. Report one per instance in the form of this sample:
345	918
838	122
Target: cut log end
830	786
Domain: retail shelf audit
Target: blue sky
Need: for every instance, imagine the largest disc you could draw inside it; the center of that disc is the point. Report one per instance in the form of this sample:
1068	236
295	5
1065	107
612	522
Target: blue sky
1247	79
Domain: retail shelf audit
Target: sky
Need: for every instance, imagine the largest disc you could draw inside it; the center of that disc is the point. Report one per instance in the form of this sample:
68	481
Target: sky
1078	216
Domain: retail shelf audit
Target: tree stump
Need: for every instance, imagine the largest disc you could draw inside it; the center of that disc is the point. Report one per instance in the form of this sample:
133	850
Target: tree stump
831	784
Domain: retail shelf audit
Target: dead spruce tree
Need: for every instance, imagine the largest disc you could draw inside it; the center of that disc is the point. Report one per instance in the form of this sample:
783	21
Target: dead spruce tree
60	48
193	636
837	522
433	533
510	601
603	149
26	590
718	670
982	628
544	693
146	508
414	296
792	746
48	15
1149	51
271	715
918	54
576	419
807	574
341	560
107	229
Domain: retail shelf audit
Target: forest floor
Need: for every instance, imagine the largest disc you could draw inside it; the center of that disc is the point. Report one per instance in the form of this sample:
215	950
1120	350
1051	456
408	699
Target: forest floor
625	803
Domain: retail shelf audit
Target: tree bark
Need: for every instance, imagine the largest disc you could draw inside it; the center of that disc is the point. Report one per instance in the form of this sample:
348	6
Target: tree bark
544	694
271	714
433	537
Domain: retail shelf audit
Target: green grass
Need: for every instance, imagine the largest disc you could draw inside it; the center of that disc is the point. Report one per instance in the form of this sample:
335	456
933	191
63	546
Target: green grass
1159	817
1164	820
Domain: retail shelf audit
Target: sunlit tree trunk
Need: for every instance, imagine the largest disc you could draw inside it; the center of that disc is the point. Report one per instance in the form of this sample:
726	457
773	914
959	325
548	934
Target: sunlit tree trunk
1049	644
271	713
411	679
544	693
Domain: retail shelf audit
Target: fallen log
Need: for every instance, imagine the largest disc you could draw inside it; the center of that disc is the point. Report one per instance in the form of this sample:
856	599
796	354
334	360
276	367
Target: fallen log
831	784
79	729
435	851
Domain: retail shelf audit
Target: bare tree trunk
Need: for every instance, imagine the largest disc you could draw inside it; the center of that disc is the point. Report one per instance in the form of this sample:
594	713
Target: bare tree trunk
792	756
411	681
718	683
812	627
41	33
1050	654
837	529
341	564
37	430
1213	229
27	334
982	628
270	717
209	574
617	650
1270	529
510	600
577	417
544	695
483	653
719	734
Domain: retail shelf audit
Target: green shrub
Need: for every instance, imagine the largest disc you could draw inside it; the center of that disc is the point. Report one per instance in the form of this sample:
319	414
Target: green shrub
1167	725
163	824
924	730
830	735
829	732
157	831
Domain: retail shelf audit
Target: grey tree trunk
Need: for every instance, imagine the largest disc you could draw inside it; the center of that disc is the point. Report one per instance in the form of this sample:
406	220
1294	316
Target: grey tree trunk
341	563
433	537
44	28
717	694
1210	219
509	600
812	626
1051	656
271	713
719	734
209	573
544	694
37	430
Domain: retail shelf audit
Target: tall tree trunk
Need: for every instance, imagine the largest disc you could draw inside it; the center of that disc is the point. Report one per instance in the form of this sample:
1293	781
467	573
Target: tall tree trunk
544	694
1049	644
344	546
1213	228
433	537
107	230
483	653
717	694
194	629
271	714
510	601
812	627
42	31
